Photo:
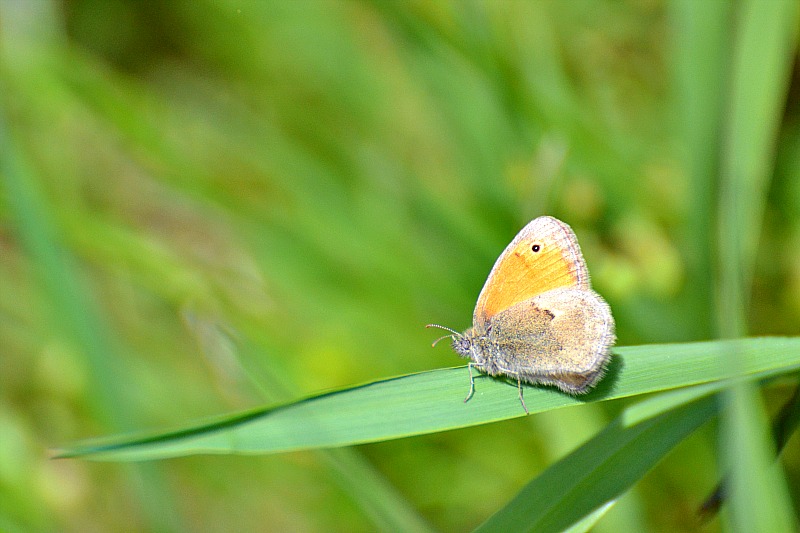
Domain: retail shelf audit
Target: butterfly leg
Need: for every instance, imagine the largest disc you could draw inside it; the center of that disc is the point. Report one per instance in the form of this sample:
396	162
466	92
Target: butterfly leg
521	399
471	383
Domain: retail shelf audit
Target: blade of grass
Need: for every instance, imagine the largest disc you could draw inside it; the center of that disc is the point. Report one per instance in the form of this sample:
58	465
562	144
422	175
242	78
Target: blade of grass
599	471
762	61
433	401
355	475
388	510
590	520
72	310
701	52
783	427
787	420
759	498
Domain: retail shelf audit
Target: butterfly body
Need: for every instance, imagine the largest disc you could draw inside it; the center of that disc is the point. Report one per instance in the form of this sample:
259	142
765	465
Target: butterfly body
537	319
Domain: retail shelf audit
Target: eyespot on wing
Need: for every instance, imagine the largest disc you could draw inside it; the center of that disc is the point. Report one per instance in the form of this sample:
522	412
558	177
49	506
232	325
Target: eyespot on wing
544	255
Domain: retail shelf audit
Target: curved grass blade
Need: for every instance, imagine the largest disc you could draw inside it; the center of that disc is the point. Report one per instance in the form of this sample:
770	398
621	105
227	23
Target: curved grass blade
588	522
762	62
369	489
80	322
759	498
432	401
700	45
783	428
598	472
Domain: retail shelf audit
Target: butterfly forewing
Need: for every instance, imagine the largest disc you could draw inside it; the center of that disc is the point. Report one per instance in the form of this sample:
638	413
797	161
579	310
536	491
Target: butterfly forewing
545	255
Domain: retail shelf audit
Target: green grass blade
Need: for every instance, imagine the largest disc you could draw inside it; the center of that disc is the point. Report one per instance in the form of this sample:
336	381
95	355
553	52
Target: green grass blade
387	509
72	310
759	499
762	63
374	494
433	401
787	421
701	58
588	522
763	56
599	471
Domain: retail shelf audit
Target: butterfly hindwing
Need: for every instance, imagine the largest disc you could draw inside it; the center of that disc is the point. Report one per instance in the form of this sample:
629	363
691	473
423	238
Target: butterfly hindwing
561	337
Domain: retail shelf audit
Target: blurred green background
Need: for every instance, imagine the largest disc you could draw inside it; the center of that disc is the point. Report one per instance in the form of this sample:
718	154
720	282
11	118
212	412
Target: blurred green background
209	206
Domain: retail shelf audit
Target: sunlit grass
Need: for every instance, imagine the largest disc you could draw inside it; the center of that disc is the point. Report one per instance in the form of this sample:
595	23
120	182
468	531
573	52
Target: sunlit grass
210	207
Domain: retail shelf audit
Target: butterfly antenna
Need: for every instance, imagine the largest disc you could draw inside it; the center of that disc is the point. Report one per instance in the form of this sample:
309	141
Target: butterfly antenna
453	332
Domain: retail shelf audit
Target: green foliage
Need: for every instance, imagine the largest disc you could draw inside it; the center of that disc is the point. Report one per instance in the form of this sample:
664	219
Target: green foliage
432	401
208	207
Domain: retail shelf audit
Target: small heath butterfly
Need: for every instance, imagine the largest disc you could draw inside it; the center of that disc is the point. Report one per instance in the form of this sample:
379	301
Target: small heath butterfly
537	318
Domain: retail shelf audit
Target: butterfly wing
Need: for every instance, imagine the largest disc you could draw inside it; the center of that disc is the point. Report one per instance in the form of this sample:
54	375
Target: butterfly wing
543	256
562	337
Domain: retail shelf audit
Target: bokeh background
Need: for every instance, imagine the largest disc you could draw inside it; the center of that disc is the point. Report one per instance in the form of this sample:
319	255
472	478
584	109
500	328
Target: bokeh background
213	205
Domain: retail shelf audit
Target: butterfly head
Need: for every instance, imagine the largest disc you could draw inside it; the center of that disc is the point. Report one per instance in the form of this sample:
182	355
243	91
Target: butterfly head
462	342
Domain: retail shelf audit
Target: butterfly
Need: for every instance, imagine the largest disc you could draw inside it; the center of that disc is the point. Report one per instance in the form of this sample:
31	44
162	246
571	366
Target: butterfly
537	318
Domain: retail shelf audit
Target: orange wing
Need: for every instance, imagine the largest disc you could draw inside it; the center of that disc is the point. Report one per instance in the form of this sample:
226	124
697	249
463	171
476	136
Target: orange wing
543	256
